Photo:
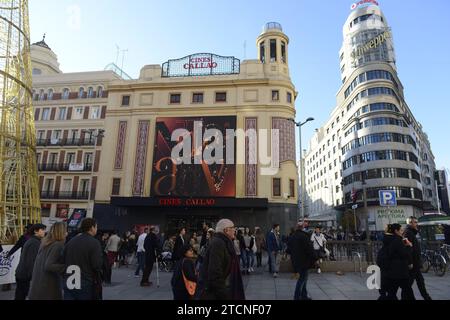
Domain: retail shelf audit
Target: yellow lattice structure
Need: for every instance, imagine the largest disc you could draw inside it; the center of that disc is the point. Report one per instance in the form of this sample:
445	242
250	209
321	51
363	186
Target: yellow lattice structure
19	195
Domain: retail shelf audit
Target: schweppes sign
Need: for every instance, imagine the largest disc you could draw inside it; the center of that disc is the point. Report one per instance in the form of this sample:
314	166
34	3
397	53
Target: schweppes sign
372	44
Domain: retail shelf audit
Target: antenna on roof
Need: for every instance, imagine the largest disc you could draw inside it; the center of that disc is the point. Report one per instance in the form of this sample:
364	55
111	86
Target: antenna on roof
43	38
123	57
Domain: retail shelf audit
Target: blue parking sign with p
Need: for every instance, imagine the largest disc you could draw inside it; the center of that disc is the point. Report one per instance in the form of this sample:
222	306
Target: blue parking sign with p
388	198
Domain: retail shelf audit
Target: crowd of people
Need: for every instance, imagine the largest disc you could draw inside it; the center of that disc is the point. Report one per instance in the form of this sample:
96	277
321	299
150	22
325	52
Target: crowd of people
208	264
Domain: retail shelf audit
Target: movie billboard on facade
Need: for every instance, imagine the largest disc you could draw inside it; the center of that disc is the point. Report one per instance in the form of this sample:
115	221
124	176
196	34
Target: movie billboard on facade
193	179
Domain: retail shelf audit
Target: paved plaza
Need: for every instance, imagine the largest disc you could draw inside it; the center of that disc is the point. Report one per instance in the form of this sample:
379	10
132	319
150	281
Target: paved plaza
262	286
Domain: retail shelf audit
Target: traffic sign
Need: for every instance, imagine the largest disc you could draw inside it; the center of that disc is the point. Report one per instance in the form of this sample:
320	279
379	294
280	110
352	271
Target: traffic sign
354	207
388	198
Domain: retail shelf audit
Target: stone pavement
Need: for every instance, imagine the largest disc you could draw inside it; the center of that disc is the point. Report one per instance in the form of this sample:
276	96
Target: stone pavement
262	286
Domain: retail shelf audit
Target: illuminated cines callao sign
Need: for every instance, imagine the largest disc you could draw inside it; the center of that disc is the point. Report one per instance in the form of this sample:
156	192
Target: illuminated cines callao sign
372	44
360	3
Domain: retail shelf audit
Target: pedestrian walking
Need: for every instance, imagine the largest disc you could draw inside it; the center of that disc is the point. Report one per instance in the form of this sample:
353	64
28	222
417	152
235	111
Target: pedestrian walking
85	252
242	250
302	257
220	275
204	249
204	240
274	249
112	248
398	261
46	283
152	250
415	274
193	242
184	279
141	253
24	271
382	262
106	266
319	244
260	245
180	242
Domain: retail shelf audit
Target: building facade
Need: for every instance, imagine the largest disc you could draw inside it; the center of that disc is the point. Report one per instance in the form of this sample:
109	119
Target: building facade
70	110
443	189
228	108
372	141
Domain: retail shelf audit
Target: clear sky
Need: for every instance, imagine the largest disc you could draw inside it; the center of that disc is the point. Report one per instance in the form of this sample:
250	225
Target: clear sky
84	35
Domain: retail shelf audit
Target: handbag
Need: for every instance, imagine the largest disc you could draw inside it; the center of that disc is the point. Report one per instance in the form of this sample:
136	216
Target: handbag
191	286
322	252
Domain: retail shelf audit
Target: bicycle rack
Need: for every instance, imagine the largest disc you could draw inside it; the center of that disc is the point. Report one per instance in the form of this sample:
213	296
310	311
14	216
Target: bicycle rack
358	255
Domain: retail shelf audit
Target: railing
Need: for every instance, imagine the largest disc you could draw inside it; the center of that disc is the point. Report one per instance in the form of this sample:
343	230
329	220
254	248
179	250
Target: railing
65	195
64	142
69	167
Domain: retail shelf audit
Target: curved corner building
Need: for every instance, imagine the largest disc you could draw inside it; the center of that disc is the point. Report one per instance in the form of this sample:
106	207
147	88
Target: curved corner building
19	196
372	142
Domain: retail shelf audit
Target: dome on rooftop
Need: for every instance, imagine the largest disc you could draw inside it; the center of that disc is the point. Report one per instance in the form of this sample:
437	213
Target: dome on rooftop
272	26
42	44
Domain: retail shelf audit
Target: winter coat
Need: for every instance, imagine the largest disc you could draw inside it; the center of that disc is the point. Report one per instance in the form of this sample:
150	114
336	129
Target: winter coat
260	242
178	247
398	257
273	242
30	250
220	276
301	250
416	251
48	269
178	286
152	248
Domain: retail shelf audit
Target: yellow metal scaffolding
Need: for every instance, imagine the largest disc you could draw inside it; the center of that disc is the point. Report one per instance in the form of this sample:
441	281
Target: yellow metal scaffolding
19	194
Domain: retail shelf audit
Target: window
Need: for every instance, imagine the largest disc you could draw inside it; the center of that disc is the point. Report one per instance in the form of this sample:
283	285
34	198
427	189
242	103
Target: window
45	114
262	52
66	94
78	113
95	112
197	98
115	187
275	95
84	186
70	158
90	94
81	93
276	187
292	188
62	113
221	96
273	50
175	98
289	97
283	52
125	101
87	160
99	92
41	95
53	158
50	94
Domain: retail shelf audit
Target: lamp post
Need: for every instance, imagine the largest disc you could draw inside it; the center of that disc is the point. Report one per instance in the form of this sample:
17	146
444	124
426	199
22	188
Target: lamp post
94	133
302	174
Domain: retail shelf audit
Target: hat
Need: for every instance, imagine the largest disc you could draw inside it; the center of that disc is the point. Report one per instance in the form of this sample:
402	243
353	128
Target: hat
38	226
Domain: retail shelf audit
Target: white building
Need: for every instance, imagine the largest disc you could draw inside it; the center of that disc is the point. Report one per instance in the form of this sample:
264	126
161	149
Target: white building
372	141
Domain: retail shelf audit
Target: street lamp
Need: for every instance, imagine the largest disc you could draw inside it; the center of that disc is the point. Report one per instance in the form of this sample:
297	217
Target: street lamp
93	133
302	174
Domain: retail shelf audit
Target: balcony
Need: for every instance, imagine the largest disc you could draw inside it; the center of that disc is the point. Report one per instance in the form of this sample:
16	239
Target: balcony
65	195
64	167
64	142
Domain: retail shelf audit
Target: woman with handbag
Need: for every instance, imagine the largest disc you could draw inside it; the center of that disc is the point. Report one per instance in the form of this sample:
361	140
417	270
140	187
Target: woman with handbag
319	243
184	279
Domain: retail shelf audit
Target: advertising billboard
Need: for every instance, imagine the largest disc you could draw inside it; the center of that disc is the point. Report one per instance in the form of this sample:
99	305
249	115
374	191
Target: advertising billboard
182	163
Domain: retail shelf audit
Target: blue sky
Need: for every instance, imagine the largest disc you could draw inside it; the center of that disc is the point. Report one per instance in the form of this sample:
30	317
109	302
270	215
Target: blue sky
84	35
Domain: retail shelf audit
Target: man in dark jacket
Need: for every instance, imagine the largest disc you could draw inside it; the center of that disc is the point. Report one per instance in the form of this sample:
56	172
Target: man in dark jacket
24	270
302	256
415	274
204	233
152	248
179	244
85	252
273	249
220	274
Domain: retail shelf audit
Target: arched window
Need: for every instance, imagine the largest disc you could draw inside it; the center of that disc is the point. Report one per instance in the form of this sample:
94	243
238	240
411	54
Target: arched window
100	92
41	95
81	93
66	93
90	93
50	94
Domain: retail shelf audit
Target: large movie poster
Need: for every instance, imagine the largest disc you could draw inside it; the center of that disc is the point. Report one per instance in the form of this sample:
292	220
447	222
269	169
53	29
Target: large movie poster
195	141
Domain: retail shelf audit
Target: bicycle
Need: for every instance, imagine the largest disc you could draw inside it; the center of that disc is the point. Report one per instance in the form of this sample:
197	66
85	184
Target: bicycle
434	258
